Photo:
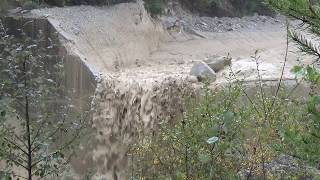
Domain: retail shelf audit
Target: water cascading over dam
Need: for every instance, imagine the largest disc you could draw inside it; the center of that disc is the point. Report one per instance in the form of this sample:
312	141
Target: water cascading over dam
94	53
125	66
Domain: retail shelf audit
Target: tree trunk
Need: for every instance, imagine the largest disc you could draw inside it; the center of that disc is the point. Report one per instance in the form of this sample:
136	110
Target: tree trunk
27	119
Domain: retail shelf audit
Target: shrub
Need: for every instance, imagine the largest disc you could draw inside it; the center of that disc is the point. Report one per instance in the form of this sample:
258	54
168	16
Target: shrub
60	3
305	142
95	2
193	147
224	135
227	7
4	5
155	7
29	5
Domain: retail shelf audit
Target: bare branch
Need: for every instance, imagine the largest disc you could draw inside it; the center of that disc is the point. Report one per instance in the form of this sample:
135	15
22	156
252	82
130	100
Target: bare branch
16	136
282	70
64	146
19	176
49	136
16	145
244	92
16	162
256	58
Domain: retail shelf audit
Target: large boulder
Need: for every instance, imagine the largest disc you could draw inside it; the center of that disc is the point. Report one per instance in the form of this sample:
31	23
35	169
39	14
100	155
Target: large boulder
203	72
217	63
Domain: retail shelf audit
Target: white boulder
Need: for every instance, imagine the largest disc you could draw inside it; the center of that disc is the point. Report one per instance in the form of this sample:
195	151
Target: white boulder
203	72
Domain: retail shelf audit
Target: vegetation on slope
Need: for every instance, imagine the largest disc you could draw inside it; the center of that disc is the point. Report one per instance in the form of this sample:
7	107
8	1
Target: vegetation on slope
32	4
156	7
233	8
243	137
227	134
306	145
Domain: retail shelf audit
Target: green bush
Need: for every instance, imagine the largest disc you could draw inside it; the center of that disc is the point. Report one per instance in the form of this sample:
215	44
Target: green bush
227	7
29	5
155	7
32	4
223	135
193	147
305	142
95	2
60	3
4	5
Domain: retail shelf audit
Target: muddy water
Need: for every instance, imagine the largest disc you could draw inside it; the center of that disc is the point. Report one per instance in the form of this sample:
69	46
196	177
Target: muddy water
124	110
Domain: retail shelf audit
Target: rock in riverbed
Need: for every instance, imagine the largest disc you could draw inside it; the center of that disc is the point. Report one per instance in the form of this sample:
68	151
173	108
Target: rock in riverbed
217	63
203	72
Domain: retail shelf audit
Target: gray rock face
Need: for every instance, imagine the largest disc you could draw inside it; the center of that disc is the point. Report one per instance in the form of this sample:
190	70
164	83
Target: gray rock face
224	24
217	63
203	72
15	11
170	22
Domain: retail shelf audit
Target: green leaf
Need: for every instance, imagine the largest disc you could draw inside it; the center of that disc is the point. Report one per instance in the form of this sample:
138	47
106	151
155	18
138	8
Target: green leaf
213	131
298	70
212	140
228	116
313	75
180	175
204	158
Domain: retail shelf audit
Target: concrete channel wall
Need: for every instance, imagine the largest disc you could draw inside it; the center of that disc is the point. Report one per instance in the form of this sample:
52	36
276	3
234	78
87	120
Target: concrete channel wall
79	82
78	77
